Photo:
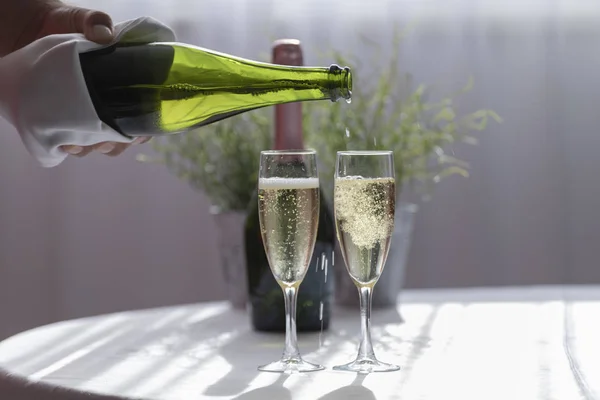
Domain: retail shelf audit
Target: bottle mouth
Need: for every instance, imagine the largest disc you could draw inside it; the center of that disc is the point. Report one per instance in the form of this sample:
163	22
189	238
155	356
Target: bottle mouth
348	83
344	78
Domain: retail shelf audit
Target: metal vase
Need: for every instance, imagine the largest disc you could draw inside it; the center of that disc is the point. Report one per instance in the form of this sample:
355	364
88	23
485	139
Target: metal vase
391	281
230	242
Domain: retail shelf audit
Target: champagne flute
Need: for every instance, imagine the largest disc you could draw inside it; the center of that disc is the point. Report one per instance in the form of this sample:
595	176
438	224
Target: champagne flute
288	206
365	202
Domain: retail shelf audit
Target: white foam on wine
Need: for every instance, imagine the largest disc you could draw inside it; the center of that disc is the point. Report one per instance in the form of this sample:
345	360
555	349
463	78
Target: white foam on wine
288	183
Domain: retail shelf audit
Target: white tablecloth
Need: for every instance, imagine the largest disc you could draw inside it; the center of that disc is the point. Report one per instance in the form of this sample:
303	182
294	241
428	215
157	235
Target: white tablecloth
506	344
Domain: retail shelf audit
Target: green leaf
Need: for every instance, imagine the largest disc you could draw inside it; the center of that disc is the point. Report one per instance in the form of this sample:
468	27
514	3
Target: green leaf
446	114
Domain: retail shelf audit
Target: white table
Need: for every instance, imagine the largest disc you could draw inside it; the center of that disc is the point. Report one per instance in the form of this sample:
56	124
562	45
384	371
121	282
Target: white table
506	344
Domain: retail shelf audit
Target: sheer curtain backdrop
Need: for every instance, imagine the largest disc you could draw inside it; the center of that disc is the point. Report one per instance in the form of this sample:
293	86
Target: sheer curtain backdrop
99	235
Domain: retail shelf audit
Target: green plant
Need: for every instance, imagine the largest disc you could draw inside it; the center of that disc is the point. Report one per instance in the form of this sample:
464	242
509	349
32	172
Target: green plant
388	114
220	159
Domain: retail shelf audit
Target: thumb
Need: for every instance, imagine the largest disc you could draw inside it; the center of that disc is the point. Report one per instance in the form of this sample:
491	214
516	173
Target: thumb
95	25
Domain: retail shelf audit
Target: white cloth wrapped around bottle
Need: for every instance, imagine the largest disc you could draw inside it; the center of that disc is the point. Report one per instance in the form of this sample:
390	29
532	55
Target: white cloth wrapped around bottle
44	96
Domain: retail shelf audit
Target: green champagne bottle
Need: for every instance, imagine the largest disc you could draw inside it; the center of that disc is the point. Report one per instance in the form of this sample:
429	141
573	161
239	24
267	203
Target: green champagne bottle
165	88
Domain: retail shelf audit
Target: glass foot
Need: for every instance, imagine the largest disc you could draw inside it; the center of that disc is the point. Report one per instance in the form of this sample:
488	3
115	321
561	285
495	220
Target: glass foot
291	366
366	366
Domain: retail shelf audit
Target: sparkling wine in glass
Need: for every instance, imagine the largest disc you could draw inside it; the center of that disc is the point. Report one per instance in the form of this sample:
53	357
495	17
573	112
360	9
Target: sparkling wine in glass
288	205
365	202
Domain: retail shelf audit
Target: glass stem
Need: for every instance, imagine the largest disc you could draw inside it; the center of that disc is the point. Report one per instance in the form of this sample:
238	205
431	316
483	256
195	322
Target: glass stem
291	341
365	350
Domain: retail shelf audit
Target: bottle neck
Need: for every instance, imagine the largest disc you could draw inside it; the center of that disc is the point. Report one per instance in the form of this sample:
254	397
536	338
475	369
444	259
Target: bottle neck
317	83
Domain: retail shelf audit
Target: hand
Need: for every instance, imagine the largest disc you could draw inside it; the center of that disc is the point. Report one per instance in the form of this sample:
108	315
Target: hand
24	21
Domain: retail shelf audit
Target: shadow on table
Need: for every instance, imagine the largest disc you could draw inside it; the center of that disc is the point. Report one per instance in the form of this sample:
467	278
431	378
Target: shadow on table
183	353
246	352
135	339
102	338
183	344
249	349
355	390
72	338
276	390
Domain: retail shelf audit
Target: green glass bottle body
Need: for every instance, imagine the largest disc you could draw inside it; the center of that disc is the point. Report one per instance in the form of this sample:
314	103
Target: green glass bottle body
165	88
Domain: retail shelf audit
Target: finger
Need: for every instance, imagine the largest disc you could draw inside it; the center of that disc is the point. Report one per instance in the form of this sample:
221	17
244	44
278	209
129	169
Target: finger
111	148
95	25
104	147
73	150
98	27
118	149
78	151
